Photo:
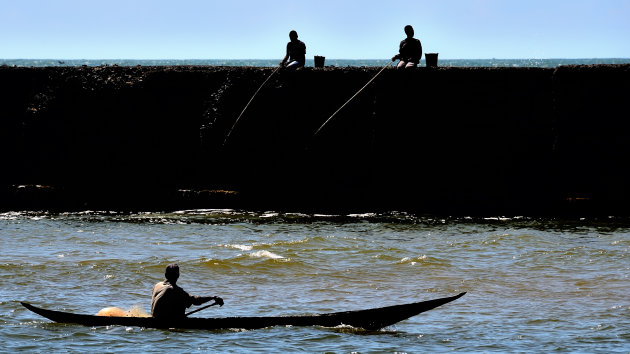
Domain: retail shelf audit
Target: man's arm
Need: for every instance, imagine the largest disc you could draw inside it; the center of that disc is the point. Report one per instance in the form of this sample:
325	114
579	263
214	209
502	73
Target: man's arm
286	57
419	49
198	300
398	56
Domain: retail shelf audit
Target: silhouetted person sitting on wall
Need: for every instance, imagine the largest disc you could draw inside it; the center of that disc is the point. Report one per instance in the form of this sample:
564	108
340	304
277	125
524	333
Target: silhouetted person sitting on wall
169	301
410	50
296	52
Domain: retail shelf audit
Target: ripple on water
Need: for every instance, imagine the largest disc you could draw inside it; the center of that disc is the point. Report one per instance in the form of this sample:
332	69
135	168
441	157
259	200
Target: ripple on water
533	285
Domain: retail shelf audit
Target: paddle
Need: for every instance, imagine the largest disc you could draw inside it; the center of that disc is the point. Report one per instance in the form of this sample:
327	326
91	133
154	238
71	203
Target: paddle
205	307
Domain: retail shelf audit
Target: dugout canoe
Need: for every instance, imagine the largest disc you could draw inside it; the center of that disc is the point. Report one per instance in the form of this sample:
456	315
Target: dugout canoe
371	319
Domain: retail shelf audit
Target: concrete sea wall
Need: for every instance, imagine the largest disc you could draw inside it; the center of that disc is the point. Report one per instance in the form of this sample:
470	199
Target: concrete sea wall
457	141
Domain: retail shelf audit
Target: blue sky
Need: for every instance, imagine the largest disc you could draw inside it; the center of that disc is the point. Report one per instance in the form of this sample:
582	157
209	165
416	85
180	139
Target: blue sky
256	29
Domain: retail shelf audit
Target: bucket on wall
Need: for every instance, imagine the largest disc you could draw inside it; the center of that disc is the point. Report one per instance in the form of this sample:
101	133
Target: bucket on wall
431	59
319	61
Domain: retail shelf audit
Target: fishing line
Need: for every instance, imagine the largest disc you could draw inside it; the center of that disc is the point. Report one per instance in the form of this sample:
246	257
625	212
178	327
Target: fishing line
247	105
351	98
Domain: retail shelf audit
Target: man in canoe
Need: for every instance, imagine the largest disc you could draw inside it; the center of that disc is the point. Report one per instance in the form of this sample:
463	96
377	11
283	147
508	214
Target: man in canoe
410	50
169	301
296	52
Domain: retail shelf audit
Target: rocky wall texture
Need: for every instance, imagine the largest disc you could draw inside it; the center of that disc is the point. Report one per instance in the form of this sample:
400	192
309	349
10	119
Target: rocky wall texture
465	141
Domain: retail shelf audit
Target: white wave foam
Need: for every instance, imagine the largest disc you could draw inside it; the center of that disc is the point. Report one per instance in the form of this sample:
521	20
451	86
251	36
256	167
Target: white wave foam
265	254
239	247
205	211
413	261
364	215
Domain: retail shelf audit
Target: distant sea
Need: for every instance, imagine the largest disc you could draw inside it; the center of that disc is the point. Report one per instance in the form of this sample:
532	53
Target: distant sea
541	63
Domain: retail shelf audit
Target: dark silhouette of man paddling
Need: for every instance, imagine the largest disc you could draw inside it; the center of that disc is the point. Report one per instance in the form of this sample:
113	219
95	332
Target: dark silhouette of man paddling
410	50
169	301
296	52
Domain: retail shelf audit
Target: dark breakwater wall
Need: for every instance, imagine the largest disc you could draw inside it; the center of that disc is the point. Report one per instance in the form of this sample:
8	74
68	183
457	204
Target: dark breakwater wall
512	141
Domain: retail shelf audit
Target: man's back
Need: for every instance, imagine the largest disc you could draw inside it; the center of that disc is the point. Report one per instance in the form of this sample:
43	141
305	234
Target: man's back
411	50
297	50
169	301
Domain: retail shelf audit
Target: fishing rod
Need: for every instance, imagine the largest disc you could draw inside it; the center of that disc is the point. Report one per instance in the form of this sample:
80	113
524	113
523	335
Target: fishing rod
247	105
351	98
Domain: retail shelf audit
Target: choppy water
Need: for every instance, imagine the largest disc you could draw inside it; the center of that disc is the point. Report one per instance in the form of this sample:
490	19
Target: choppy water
543	63
533	286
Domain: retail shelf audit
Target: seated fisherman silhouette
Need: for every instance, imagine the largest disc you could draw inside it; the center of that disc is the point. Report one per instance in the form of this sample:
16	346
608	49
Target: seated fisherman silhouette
296	52
410	50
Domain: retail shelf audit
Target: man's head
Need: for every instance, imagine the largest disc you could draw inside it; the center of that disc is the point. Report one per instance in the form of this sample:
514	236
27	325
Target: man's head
409	31
172	272
293	35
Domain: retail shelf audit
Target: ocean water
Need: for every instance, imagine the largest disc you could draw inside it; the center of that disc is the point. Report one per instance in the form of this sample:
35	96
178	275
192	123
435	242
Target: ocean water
543	63
533	285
